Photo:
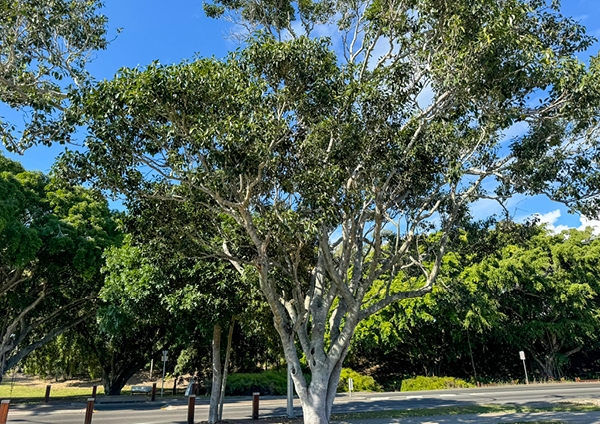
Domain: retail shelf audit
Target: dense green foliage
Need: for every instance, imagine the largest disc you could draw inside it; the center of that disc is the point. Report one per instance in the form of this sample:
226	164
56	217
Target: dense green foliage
52	239
515	287
64	358
265	383
44	47
336	180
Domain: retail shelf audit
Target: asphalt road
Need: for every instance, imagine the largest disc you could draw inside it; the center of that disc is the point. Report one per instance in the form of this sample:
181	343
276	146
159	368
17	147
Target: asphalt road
176	411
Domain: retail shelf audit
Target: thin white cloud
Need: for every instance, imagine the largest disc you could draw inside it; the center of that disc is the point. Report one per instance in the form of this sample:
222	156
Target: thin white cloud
550	219
586	222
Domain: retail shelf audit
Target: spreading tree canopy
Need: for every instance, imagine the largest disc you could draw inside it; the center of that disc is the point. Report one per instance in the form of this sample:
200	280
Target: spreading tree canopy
545	290
51	244
337	161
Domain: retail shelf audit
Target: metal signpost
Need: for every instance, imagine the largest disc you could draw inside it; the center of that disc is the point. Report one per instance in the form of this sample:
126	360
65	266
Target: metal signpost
350	385
522	356
164	358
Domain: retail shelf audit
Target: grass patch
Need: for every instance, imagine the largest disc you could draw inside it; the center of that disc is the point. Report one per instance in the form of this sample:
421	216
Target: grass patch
25	391
460	410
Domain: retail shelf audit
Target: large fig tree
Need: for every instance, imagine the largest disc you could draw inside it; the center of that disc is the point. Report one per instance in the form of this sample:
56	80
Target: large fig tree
335	158
51	244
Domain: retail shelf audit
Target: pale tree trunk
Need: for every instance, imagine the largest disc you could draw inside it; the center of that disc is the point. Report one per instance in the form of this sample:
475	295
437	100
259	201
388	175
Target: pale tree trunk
321	310
213	412
225	369
317	399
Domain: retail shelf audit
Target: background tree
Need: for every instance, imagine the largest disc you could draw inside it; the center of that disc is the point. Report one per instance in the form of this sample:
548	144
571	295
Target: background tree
504	289
132	324
52	242
213	288
546	291
315	157
44	47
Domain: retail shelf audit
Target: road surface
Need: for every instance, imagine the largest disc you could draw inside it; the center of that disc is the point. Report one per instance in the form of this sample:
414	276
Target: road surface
175	412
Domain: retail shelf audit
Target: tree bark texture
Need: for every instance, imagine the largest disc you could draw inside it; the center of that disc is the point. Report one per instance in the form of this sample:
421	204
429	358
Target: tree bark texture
225	369
215	393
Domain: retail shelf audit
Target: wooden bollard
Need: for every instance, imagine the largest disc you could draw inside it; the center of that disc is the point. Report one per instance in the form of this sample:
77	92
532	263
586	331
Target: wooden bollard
89	410
255	397
153	397
4	411
94	388
191	408
47	397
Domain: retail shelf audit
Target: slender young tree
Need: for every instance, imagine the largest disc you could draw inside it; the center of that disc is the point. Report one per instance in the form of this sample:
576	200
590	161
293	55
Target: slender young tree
212	285
318	157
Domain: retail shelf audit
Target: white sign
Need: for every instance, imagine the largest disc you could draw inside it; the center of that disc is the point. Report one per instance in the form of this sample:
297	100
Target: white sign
350	384
522	355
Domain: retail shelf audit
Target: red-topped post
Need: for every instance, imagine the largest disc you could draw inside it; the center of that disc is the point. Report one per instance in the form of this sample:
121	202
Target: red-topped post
4	411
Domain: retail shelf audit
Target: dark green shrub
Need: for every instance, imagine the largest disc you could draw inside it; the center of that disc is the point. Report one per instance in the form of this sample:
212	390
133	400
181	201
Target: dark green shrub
265	383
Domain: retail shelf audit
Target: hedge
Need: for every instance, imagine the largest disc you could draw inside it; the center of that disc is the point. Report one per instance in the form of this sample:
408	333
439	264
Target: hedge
361	383
275	383
433	383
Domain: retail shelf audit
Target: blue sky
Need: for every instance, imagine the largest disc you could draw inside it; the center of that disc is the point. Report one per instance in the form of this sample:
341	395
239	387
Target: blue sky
172	31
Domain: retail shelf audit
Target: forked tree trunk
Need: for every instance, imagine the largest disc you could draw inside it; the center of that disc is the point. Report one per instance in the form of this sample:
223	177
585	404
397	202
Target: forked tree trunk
219	381
215	392
318	399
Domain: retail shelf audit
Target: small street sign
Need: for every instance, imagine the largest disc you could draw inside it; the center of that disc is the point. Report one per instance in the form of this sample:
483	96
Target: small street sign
522	356
164	359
